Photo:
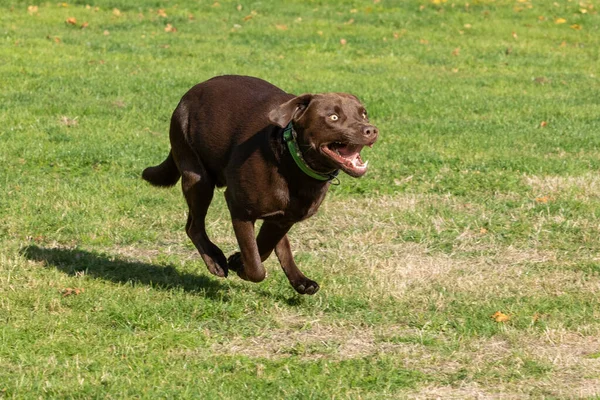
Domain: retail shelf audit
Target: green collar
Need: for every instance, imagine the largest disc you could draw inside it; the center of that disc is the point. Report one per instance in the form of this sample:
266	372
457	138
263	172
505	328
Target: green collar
289	136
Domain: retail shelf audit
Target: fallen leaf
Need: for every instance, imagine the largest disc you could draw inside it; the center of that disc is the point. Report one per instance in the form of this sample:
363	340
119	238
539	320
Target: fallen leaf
239	7
423	41
456	51
84	25
72	291
56	39
542	200
281	27
499	316
64	5
560	21
577	27
32	9
250	16
515	36
71	21
483	231
68	121
216	4
106	33
543	124
438	1
343	42
349	22
467	26
399	182
542	80
170	28
353	11
541	18
583	11
116	12
161	13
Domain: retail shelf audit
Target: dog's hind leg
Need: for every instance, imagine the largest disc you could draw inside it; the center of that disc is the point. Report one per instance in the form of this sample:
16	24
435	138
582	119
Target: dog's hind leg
198	190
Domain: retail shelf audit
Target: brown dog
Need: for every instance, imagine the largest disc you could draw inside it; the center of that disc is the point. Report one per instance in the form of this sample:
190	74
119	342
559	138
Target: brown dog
275	152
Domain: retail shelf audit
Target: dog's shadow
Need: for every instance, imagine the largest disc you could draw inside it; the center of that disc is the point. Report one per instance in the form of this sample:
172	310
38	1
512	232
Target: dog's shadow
118	270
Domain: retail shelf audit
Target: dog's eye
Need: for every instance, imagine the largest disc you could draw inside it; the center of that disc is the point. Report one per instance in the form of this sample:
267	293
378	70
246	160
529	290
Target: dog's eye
334	117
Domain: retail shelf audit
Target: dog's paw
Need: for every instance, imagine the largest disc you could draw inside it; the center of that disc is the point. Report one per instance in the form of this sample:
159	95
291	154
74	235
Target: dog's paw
235	264
217	270
306	286
216	265
256	274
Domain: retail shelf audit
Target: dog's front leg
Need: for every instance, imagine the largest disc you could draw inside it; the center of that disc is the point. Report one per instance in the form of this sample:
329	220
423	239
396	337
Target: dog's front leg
246	263
273	235
297	279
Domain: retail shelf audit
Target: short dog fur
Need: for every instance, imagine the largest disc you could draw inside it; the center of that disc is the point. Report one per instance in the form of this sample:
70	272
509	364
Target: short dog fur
228	131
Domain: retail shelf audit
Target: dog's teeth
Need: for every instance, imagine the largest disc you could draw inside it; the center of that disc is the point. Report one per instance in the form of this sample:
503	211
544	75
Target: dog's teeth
366	163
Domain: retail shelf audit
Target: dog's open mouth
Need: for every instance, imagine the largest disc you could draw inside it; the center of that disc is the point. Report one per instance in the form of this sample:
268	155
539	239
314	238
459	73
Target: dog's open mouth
347	156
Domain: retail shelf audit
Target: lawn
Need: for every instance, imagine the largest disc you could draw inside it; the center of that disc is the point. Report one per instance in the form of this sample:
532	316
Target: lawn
483	196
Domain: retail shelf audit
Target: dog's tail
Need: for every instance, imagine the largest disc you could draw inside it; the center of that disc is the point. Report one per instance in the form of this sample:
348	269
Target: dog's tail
164	174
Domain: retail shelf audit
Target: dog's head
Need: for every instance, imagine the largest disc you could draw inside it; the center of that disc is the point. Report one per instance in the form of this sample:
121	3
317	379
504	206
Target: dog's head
332	130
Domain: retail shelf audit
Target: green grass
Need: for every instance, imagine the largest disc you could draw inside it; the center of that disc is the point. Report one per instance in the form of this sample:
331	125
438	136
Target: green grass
471	204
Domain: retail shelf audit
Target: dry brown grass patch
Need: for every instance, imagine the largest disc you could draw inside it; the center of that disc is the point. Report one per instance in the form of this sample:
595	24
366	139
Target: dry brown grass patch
318	341
586	186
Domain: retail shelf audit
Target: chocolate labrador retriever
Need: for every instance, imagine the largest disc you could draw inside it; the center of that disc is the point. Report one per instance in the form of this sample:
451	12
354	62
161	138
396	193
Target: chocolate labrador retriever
276	153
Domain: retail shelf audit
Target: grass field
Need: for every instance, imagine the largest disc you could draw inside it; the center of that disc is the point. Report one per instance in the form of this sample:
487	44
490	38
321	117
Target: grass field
483	196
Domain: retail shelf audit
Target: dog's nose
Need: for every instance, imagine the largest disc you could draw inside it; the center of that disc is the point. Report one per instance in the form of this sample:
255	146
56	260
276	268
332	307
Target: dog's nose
370	131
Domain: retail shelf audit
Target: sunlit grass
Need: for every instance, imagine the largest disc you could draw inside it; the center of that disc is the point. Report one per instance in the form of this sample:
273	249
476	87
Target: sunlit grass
482	196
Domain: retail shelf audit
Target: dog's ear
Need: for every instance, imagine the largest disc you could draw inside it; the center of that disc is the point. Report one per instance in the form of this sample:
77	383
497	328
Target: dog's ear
283	114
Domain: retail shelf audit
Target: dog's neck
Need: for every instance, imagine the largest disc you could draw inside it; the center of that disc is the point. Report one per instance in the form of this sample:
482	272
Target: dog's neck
289	138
